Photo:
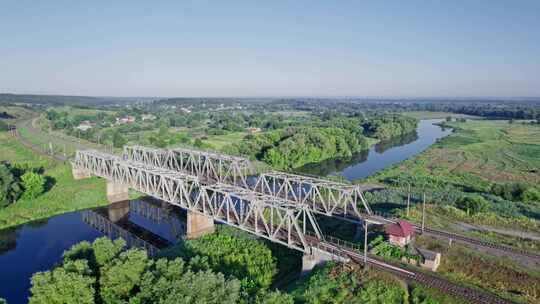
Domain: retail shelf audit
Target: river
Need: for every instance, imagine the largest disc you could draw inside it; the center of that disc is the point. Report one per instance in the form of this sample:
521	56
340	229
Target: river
39	245
382	155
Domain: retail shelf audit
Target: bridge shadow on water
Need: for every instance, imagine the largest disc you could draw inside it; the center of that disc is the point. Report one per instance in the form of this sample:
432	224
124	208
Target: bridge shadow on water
144	223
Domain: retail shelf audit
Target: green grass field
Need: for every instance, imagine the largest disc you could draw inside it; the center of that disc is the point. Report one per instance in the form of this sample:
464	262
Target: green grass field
478	154
65	195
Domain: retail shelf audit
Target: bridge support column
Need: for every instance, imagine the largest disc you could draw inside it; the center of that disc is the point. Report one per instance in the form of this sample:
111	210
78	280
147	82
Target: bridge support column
318	257
79	173
116	192
118	211
198	225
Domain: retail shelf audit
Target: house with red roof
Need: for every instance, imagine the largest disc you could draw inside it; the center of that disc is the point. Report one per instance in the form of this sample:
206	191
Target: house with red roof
400	233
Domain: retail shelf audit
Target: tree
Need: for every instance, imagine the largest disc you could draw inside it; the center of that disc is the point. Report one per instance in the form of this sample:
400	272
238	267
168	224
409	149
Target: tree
448	118
71	283
378	292
10	189
33	184
120	278
275	297
472	204
118	140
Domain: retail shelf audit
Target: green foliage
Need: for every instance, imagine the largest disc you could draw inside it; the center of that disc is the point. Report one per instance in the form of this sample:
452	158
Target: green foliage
275	297
334	284
516	192
325	288
386	250
3	301
121	277
103	271
3	127
10	189
378	292
419	295
472	204
388	126
33	184
246	259
531	195
70	283
118	140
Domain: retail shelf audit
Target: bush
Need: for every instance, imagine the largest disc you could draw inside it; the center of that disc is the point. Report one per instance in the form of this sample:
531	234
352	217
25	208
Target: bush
472	204
33	184
531	195
10	188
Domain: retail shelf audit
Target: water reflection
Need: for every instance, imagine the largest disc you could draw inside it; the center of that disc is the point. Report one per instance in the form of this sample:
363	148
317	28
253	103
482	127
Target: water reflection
39	245
382	155
382	146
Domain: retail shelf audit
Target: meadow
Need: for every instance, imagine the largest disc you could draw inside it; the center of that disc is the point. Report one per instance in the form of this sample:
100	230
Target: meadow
64	194
476	156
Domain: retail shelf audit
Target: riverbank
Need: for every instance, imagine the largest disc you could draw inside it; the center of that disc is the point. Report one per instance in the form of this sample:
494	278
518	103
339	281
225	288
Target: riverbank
65	194
478	155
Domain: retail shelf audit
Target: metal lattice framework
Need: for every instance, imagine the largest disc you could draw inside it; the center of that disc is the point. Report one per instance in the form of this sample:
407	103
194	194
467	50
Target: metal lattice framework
266	216
323	196
208	166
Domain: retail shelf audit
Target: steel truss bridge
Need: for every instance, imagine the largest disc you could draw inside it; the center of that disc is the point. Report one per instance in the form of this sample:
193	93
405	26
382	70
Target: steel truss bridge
266	216
277	206
320	196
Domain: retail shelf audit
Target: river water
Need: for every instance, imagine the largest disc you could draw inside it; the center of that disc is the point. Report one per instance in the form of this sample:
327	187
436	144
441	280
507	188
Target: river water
38	246
382	155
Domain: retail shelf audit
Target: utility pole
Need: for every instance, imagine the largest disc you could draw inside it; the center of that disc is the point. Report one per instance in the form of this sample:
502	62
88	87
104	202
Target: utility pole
423	212
365	243
409	200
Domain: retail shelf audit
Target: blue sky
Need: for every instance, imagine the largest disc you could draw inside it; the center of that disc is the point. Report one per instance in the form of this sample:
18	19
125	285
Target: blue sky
271	48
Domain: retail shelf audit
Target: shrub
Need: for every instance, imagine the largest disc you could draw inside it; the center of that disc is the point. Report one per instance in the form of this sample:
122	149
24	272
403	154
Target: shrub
33	184
10	189
472	204
531	195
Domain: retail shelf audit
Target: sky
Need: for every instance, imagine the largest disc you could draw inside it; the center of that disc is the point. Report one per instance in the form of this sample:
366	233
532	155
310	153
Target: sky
261	48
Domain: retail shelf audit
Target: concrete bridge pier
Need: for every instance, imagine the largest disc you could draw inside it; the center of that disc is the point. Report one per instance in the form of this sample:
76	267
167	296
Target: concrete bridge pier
79	173
118	211
198	225
318	257
116	192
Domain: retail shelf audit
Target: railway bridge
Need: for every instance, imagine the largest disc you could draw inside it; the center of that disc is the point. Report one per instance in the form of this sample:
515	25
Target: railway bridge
279	220
277	206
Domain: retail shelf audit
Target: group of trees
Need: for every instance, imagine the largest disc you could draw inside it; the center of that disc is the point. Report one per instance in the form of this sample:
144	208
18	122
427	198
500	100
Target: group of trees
19	182
334	136
516	192
105	272
388	126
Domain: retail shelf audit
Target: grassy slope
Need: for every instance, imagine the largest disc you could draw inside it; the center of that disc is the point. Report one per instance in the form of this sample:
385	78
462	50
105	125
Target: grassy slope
492	151
65	195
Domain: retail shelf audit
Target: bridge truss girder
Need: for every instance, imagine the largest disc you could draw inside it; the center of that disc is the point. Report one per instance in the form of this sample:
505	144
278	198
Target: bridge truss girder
325	197
208	166
265	216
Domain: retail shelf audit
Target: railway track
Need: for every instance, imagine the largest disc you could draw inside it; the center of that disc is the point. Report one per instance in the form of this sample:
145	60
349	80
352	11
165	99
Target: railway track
472	241
466	240
412	276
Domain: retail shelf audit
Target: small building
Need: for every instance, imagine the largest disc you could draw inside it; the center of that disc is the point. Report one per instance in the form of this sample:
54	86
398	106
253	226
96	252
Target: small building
125	120
400	233
84	126
254	130
430	259
148	117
